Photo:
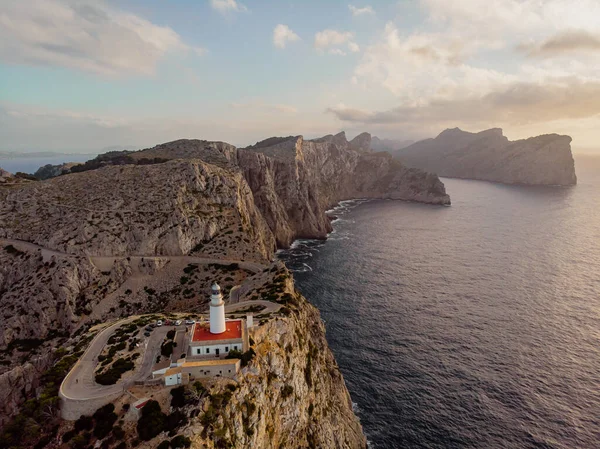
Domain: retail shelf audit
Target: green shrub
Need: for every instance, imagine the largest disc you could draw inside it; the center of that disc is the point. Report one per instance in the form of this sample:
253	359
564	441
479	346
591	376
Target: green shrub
113	374
180	442
200	389
178	397
84	423
166	349
68	435
152	422
118	432
174	421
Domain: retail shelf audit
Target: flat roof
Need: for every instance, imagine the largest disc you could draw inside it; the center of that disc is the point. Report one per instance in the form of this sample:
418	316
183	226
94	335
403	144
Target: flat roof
233	330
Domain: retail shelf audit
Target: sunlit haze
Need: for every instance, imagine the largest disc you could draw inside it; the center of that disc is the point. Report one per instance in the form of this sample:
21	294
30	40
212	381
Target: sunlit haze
84	75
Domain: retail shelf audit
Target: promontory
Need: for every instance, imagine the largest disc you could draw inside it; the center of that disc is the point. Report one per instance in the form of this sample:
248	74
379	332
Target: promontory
490	156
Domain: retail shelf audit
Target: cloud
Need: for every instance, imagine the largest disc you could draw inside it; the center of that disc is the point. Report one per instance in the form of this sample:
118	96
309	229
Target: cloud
282	34
225	6
516	104
84	35
565	42
366	10
353	47
332	40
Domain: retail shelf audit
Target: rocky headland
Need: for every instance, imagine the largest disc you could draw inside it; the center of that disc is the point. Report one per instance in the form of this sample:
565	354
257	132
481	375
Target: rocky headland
490	156
132	233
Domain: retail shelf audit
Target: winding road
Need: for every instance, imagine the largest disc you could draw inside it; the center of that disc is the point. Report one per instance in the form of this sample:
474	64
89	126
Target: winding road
79	384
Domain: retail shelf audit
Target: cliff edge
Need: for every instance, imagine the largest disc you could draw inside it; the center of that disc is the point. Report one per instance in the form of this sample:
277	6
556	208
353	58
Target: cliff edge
295	181
490	156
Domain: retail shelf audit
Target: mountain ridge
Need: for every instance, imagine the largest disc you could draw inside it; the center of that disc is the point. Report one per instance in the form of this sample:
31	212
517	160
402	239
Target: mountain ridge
490	156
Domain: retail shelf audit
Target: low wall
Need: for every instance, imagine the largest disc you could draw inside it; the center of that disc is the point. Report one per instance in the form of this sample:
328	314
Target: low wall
72	409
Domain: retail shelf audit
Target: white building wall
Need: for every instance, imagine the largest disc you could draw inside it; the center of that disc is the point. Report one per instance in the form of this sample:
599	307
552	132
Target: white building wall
212	349
174	379
217	318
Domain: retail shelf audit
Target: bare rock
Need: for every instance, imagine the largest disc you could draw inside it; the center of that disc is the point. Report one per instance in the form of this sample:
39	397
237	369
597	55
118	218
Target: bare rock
490	156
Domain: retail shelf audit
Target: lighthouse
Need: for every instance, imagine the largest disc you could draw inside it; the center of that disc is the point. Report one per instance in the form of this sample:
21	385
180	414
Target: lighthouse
217	311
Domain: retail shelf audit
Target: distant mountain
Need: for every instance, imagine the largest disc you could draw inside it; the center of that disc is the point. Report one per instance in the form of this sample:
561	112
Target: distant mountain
490	156
378	144
29	155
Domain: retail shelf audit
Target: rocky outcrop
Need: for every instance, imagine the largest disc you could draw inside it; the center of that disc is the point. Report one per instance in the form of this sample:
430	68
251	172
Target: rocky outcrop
20	383
161	209
490	156
291	394
51	171
362	143
4	175
295	180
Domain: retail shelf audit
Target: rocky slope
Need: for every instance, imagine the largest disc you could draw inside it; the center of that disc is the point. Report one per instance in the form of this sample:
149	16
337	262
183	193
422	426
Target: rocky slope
490	156
291	394
295	180
390	145
136	232
160	209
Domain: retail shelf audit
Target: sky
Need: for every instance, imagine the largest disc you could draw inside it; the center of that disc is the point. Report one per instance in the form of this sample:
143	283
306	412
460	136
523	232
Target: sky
82	75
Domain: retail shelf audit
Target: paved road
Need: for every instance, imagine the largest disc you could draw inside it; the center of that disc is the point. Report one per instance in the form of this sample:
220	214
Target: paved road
270	307
80	384
106	262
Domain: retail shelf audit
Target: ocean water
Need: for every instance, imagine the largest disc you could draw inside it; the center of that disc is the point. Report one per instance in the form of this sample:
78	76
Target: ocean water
31	164
470	326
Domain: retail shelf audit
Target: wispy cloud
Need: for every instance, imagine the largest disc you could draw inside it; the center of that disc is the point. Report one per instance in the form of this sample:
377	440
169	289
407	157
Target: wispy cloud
332	40
566	42
282	34
225	6
365	10
516	104
84	35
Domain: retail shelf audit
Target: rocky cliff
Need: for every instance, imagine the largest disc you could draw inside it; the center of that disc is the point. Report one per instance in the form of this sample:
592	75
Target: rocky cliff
490	156
295	180
291	394
160	209
146	231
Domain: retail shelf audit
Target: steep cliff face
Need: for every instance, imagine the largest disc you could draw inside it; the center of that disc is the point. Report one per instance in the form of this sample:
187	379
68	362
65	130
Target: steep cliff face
291	394
294	181
490	156
161	209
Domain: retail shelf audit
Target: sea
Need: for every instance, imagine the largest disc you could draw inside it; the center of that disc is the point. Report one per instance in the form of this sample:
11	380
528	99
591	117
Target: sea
31	164
470	326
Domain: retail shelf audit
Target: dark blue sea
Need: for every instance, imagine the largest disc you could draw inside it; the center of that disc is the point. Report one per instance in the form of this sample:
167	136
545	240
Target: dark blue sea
470	326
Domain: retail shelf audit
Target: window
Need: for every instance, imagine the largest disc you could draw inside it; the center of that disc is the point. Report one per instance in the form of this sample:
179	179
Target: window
208	350
235	347
198	351
226	348
229	370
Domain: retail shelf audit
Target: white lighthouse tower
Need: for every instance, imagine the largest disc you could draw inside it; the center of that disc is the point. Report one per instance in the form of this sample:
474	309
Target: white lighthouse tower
217	311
